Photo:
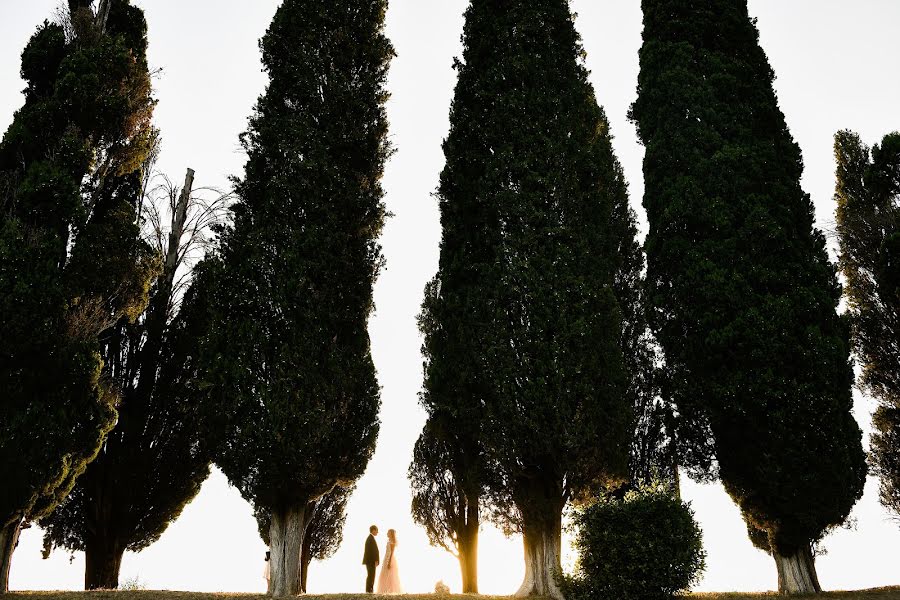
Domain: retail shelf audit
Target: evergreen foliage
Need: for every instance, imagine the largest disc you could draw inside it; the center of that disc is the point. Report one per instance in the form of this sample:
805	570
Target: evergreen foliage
534	214
743	294
643	546
868	224
447	473
155	460
70	262
287	359
447	479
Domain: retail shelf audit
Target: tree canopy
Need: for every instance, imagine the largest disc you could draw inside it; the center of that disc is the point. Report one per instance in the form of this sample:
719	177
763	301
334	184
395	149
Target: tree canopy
70	262
743	294
155	460
534	214
868	224
287	359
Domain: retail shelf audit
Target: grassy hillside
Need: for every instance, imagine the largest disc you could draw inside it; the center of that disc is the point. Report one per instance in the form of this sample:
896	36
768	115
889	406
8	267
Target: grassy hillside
892	593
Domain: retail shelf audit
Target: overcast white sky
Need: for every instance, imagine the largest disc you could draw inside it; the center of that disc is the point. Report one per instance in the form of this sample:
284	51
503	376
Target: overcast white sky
836	63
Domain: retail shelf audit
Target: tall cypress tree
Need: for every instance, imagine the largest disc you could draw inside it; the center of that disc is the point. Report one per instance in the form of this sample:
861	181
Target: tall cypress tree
868	224
287	360
448	470
744	296
70	262
530	198
155	460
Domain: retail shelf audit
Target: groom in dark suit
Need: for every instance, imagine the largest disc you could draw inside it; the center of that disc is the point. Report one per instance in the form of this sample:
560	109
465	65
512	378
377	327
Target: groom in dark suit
371	558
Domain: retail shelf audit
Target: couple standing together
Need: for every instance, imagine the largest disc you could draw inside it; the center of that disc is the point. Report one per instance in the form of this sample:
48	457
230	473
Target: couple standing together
389	579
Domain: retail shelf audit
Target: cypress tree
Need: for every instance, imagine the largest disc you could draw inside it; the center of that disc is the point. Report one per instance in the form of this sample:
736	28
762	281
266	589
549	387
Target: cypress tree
868	225
653	455
70	263
447	473
155	460
447	480
287	359
529	200
743	294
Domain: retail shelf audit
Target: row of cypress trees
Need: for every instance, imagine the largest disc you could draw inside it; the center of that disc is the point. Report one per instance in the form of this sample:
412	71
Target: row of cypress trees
553	369
536	324
121	383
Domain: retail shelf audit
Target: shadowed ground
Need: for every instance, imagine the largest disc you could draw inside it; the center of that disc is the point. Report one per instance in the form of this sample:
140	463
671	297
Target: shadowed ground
891	593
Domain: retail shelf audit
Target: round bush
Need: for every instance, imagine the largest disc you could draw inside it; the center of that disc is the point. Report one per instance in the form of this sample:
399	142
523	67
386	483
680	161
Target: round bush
644	546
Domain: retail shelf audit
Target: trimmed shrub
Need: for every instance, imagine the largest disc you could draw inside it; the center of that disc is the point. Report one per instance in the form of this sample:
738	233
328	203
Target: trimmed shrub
646	545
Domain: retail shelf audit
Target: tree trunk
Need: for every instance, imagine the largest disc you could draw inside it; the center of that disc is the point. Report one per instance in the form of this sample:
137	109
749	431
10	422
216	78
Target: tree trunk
103	15
304	571
102	563
158	309
543	549
9	537
468	550
286	544
797	573
468	564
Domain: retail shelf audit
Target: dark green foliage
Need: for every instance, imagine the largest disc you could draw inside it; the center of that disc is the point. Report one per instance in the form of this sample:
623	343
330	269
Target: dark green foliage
155	460
744	297
444	487
644	546
447	473
70	262
447	479
653	449
325	531
533	207
288	364
868	224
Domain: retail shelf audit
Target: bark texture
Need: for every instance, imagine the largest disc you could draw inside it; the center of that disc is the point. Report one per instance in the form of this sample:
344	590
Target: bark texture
9	537
797	573
286	545
543	544
103	561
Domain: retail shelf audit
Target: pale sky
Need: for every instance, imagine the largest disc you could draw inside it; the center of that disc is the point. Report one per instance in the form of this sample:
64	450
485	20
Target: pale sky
836	63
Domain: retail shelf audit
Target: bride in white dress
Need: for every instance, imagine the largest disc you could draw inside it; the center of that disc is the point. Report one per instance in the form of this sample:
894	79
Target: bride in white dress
389	579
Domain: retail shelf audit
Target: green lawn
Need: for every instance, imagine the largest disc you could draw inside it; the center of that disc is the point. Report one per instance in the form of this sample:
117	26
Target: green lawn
892	593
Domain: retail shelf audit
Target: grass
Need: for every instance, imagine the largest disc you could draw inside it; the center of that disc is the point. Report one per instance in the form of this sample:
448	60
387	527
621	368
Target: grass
891	593
887	593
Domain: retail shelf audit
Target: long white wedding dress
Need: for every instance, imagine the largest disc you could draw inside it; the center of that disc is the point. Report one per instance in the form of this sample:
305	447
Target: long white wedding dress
389	578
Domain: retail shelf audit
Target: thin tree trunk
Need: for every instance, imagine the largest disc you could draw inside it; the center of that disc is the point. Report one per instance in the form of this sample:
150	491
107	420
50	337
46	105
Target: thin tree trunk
468	564
543	549
286	545
305	559
103	561
797	573
468	550
103	15
157	311
9	537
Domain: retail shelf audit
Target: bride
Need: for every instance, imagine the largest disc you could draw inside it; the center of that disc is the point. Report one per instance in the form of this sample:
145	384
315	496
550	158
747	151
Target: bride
389	579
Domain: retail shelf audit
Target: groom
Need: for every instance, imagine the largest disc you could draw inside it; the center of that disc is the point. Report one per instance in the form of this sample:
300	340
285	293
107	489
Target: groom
371	558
